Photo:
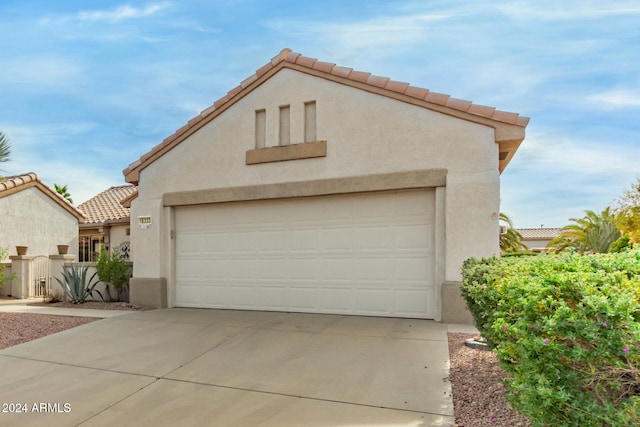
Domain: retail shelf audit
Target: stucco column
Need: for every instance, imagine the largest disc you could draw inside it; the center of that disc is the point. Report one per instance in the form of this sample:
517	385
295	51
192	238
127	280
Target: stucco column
57	266
21	267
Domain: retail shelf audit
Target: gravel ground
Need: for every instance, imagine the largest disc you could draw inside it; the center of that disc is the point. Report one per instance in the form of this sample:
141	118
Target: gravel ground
478	394
17	328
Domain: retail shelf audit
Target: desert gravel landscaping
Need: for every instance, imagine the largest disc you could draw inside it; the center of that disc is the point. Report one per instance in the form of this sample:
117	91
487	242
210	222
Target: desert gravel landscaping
478	395
18	328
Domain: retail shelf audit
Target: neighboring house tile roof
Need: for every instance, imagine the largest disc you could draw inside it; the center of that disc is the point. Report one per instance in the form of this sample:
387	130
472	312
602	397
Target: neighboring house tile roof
509	127
539	233
13	184
107	206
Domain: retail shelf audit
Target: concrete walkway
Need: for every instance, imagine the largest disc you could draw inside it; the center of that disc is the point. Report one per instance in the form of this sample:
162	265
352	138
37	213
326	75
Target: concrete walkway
193	367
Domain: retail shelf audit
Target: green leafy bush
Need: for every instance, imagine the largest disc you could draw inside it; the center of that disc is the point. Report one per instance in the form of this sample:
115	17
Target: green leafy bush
113	270
3	254
567	330
75	285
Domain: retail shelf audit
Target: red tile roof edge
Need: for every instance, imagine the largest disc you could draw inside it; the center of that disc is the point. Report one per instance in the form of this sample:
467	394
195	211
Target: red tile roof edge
287	55
107	205
32	179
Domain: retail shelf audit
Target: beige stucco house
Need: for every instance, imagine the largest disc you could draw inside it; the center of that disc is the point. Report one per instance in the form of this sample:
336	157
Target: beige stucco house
34	215
312	187
537	239
107	223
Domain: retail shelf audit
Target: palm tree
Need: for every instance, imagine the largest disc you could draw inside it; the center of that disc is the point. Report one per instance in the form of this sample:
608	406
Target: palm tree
5	149
511	239
62	190
627	212
591	233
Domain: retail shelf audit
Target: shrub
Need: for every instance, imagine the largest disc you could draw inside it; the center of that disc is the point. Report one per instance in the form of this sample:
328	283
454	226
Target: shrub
567	330
75	284
113	270
3	254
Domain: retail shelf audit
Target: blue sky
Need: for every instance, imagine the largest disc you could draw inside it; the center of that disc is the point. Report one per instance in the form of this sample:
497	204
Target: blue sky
86	88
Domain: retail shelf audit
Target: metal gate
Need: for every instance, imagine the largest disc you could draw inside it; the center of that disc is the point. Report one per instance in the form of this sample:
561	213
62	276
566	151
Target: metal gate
41	273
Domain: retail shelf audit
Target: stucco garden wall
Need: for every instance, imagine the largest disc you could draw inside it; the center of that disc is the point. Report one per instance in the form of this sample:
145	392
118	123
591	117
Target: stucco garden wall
118	235
30	218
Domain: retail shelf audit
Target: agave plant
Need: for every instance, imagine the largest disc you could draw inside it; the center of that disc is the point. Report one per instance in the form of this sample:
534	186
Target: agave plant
75	284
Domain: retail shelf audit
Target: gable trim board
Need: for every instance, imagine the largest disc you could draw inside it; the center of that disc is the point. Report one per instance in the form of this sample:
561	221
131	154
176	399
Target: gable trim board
322	187
305	150
226	184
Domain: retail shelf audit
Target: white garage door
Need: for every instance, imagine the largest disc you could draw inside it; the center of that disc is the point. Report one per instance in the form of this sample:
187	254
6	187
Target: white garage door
364	254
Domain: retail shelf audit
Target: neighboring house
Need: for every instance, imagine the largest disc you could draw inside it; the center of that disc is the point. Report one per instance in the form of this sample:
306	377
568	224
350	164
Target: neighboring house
537	239
34	215
312	187
107	223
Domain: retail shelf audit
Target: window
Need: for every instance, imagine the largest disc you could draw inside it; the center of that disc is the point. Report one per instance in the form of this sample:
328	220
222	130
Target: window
89	248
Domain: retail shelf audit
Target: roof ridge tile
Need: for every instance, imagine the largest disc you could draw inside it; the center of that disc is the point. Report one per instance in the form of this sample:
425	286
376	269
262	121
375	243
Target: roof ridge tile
305	61
396	86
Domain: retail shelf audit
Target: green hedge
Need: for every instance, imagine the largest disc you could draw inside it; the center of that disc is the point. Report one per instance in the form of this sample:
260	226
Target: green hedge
567	330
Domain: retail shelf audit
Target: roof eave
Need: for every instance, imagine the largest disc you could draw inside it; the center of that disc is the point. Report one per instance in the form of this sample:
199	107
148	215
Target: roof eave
509	127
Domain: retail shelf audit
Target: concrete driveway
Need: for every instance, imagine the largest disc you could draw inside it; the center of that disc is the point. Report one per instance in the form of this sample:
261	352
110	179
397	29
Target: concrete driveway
190	367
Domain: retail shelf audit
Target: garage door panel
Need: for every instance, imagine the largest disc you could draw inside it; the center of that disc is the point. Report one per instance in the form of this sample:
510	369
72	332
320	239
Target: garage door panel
411	302
303	299
341	268
190	293
189	243
305	268
272	269
214	269
237	268
336	298
368	254
374	269
375	237
273	297
336	238
413	236
273	240
412	269
215	241
374	301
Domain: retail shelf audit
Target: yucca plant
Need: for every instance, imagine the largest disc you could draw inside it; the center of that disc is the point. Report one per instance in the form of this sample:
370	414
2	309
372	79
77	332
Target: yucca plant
75	285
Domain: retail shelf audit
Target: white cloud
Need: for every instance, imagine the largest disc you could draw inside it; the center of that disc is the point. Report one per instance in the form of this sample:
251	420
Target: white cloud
552	10
617	98
377	32
42	71
120	13
561	154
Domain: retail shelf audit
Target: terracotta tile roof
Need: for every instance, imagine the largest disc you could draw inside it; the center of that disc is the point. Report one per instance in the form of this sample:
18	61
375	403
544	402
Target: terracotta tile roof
539	233
107	205
362	80
13	184
18	180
